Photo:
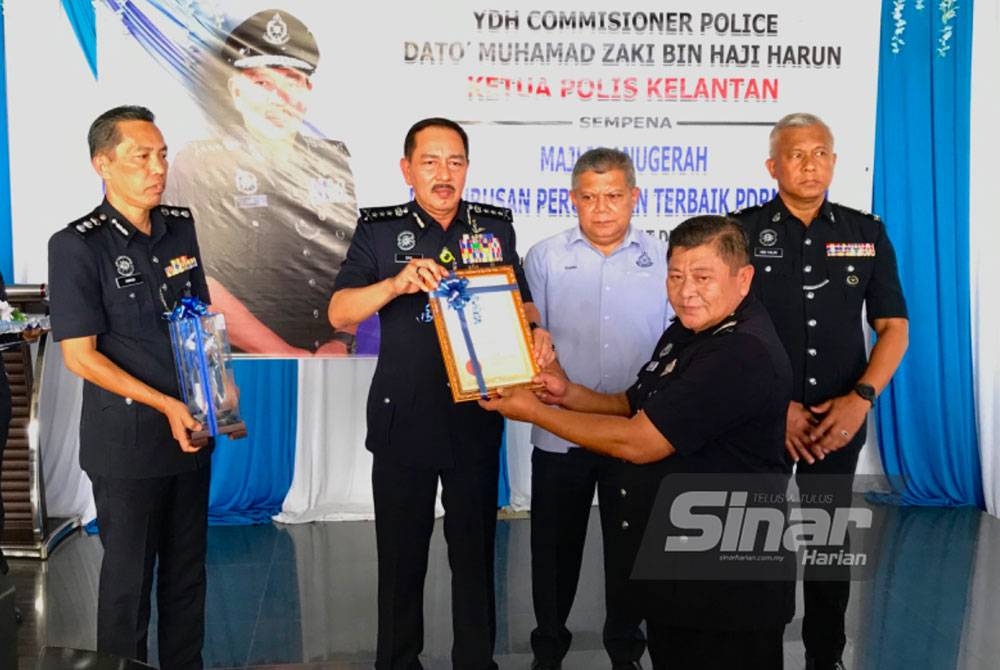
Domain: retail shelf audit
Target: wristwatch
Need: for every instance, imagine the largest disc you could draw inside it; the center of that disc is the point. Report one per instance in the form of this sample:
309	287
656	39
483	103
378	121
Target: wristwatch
866	391
347	338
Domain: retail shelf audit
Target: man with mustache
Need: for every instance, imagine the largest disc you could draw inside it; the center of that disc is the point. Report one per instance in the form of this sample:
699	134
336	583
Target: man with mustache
112	274
416	433
818	267
275	206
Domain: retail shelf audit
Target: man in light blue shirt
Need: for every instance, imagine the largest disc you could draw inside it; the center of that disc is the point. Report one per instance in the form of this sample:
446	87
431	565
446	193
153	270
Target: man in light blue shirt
600	288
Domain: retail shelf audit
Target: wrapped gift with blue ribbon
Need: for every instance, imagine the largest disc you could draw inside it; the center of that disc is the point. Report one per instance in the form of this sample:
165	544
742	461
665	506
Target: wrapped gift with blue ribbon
204	369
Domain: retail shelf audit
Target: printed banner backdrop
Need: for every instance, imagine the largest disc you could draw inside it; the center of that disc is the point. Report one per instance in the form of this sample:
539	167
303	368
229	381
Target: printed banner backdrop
689	92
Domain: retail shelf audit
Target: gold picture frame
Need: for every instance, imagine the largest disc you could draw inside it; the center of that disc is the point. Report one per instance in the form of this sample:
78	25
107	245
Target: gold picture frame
496	327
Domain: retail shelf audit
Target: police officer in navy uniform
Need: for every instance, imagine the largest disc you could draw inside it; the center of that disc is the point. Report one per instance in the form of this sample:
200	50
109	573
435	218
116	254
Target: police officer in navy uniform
818	265
112	275
276	209
711	400
416	433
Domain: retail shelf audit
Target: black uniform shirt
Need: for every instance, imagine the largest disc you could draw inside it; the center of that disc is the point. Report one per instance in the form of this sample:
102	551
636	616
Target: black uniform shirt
411	414
273	232
720	397
108	279
814	281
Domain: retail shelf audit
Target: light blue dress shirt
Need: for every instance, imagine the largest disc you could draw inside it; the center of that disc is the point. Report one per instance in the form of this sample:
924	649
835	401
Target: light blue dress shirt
605	313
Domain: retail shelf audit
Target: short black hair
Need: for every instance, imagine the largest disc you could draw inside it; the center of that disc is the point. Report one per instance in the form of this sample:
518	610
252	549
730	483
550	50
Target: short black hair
410	143
601	160
104	135
726	234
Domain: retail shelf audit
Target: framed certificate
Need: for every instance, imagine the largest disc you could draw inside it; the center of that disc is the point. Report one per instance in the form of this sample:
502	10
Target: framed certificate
484	335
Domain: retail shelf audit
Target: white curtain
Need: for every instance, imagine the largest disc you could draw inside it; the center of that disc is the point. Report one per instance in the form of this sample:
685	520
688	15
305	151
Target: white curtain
984	268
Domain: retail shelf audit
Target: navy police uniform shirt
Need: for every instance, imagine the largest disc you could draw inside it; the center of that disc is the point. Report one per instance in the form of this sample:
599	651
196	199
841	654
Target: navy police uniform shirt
814	281
108	279
411	414
720	398
273	232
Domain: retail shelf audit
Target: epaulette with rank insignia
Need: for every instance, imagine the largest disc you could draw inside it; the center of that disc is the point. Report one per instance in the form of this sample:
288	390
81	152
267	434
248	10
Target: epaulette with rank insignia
389	213
89	223
175	211
860	212
501	213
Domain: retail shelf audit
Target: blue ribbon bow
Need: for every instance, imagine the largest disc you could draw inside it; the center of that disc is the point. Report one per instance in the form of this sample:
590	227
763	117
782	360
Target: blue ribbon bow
455	290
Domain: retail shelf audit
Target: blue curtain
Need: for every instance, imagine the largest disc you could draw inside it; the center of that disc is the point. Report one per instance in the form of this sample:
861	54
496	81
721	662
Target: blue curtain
250	477
83	18
6	241
926	418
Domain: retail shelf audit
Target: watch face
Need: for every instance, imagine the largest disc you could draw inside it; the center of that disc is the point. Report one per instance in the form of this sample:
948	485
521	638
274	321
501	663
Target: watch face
866	391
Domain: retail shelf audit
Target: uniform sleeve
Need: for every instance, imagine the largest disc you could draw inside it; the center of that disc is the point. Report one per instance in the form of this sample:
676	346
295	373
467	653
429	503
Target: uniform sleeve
721	387
536	273
360	267
515	260
75	303
884	296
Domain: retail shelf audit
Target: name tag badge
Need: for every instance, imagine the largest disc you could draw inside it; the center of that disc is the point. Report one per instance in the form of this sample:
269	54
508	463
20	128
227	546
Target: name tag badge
406	258
761	252
131	280
250	201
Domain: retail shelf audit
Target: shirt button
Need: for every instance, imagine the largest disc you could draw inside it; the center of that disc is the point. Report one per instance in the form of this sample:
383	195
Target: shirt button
155	259
132	295
605	346
312	282
812	323
315	313
607	317
812	381
305	252
850	268
128	401
811	352
807	268
808	242
386	401
624	525
810	295
255	224
623	493
767	268
607	288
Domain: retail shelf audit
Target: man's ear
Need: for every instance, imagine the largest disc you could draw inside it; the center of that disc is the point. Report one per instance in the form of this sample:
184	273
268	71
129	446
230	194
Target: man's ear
100	163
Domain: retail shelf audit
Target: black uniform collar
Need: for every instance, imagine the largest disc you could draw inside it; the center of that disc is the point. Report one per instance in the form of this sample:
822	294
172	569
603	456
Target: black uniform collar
465	216
725	326
777	211
123	230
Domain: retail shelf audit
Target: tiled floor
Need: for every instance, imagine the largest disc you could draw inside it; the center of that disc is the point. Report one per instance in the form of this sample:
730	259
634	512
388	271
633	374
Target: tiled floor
304	597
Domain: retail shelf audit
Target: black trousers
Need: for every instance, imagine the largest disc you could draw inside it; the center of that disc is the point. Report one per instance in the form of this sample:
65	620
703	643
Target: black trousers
562	492
673	648
404	520
143	523
823	631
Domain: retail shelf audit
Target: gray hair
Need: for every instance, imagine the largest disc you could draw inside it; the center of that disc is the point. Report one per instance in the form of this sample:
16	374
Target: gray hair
104	134
601	160
796	120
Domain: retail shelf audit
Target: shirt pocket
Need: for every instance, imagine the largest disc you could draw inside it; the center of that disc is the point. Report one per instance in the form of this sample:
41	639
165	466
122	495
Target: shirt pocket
852	274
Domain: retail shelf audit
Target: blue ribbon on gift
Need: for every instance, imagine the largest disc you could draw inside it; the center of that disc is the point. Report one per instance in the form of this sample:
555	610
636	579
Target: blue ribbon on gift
456	292
191	307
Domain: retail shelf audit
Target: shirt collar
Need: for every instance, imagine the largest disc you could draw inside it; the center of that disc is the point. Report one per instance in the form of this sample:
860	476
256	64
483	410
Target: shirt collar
123	230
723	326
777	211
424	220
631	238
